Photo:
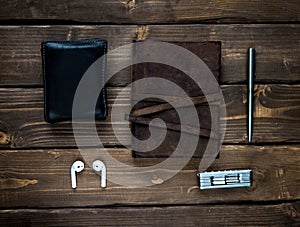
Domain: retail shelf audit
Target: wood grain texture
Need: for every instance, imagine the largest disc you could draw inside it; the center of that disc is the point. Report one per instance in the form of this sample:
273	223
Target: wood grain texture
277	108
20	54
22	121
275	177
276	58
35	157
277	48
226	215
139	11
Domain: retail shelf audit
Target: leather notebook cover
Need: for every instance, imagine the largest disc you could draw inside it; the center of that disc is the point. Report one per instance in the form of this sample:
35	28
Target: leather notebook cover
64	64
151	108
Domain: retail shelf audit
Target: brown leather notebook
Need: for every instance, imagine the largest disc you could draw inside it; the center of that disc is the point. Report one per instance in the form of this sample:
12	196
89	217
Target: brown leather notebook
150	108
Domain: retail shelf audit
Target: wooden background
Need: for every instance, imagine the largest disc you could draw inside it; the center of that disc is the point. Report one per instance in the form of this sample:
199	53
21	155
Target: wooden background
35	157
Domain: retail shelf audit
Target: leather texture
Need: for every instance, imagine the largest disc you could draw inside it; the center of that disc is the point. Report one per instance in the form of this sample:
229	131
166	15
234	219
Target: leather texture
64	64
149	109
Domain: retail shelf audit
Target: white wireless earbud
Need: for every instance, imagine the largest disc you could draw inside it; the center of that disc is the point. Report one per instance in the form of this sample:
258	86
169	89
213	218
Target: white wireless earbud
77	166
99	166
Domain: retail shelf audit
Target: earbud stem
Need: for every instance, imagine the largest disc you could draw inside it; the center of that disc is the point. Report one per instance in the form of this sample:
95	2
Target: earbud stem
73	178
103	177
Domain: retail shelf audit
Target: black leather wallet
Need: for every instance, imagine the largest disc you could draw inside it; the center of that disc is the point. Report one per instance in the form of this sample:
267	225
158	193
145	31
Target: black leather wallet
64	64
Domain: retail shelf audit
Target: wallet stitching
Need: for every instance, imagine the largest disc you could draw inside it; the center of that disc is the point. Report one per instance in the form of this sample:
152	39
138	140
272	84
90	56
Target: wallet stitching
78	41
92	42
44	78
103	80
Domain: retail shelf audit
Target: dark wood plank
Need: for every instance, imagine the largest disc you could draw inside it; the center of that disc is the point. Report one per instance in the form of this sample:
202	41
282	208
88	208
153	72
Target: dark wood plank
278	105
225	215
41	178
276	117
20	55
136	11
277	48
22	121
276	113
